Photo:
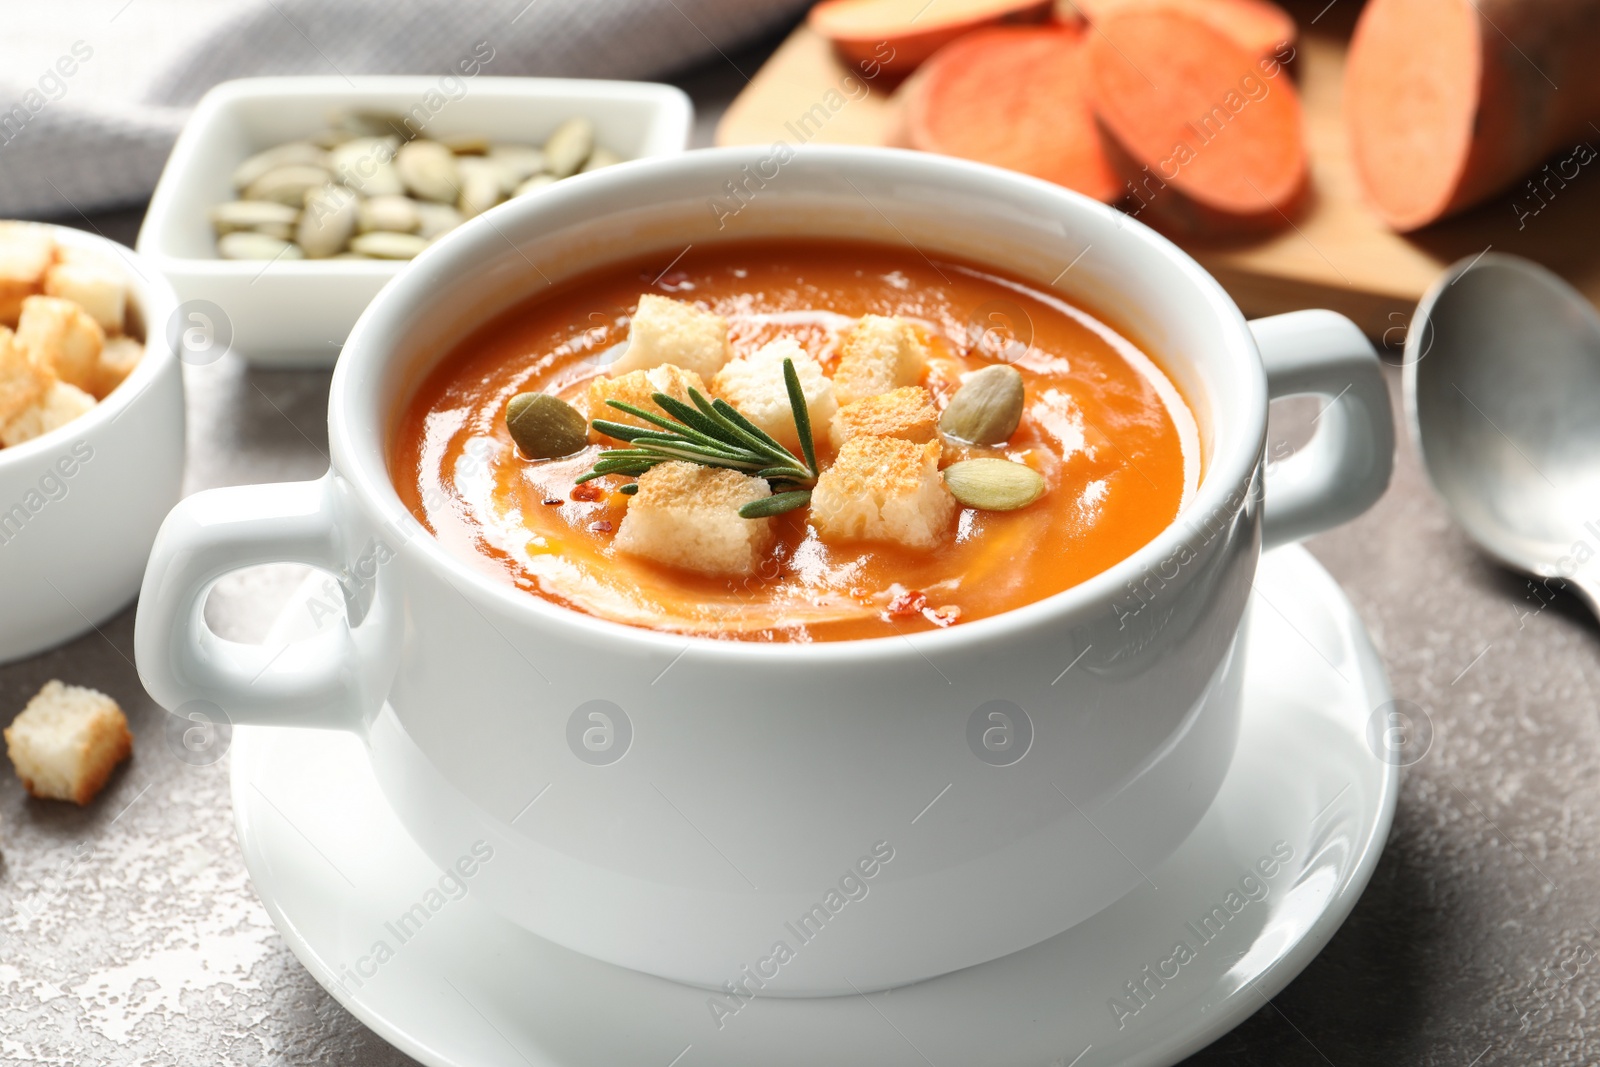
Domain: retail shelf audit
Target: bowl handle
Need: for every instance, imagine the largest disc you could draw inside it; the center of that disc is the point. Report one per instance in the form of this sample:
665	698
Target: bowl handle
322	680
1345	467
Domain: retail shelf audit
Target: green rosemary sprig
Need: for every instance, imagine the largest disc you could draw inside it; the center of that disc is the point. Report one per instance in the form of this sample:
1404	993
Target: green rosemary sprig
712	433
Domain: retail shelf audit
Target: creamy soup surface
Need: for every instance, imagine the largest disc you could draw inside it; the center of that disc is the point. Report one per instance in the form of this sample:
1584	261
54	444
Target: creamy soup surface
1113	438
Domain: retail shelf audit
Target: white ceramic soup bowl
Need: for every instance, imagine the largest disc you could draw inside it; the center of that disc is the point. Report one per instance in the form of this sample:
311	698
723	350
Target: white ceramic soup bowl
80	505
792	819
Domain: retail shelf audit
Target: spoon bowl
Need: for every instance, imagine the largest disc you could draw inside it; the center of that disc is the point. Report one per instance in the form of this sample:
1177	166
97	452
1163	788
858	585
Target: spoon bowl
1502	389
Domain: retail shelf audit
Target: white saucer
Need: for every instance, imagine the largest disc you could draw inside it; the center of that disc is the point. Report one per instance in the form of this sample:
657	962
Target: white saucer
336	871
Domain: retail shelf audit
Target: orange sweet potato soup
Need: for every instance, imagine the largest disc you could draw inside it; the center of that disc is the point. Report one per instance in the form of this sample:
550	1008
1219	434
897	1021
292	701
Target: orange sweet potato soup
900	533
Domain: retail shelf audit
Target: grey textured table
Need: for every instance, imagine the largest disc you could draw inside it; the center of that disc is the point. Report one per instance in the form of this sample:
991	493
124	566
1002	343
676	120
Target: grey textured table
130	933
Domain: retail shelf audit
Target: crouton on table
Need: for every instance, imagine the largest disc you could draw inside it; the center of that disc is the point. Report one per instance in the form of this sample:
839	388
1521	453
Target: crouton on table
664	330
23	383
67	741
906	413
755	386
26	253
99	288
61	335
636	388
687	515
877	355
60	404
883	489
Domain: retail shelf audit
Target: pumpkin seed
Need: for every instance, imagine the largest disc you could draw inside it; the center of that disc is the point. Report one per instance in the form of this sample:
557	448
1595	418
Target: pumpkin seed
327	221
600	157
365	123
534	184
381	244
465	144
435	218
366	165
993	484
429	170
294	152
262	216
482	186
519	162
545	426
568	147
987	409
331	138
396	214
246	244
287	184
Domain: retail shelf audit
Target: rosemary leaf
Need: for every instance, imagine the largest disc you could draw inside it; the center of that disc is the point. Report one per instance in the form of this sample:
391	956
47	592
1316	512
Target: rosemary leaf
729	412
776	504
802	415
687	415
762	444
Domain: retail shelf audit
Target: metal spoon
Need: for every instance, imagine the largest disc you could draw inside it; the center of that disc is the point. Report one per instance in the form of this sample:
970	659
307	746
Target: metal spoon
1502	388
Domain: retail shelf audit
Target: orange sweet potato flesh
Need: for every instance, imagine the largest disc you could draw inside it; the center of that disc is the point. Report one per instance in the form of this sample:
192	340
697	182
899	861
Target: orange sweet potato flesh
1450	102
1208	132
1016	97
1259	25
888	39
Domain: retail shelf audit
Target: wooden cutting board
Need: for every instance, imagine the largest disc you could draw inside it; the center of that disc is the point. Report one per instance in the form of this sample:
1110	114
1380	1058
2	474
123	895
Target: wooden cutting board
1337	255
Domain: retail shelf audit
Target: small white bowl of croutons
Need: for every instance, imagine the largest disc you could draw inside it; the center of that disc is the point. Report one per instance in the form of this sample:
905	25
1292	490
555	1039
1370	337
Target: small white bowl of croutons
288	202
91	429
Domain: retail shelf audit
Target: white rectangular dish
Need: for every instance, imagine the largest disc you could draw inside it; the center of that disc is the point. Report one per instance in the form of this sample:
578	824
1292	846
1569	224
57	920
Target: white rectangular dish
298	312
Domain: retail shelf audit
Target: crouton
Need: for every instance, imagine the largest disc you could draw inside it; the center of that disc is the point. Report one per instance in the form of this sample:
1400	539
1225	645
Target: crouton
687	515
877	355
755	386
670	331
99	288
60	404
636	388
59	334
67	741
23	382
117	360
883	489
906	413
26	253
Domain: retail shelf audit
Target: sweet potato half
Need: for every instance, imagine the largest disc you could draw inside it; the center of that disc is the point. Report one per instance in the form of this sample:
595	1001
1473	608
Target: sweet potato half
1450	101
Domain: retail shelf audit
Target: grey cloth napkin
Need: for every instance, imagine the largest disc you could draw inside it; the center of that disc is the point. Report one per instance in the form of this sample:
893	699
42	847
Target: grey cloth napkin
93	92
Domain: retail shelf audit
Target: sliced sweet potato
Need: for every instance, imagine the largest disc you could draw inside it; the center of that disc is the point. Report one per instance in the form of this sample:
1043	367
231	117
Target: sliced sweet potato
888	39
1017	97
1209	130
1260	25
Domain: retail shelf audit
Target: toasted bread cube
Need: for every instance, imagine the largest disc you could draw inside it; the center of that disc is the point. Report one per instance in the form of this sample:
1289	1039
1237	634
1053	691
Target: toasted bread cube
884	489
877	355
60	405
906	413
99	288
26	252
687	515
664	330
23	383
59	334
117	360
637	388
755	386
67	741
